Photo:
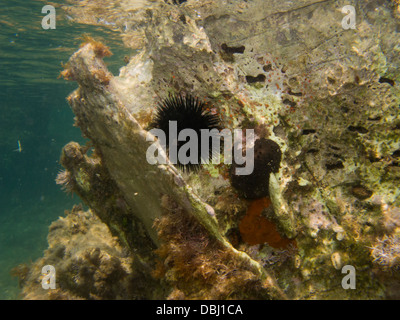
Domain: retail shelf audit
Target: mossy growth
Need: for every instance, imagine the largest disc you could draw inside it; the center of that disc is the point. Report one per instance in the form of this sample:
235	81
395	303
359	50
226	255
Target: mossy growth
196	265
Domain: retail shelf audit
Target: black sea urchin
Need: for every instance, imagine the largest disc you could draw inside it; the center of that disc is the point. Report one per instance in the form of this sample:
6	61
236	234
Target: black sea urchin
267	159
189	113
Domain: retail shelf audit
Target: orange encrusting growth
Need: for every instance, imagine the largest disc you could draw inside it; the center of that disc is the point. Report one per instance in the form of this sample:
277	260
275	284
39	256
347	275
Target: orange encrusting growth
99	49
256	229
66	74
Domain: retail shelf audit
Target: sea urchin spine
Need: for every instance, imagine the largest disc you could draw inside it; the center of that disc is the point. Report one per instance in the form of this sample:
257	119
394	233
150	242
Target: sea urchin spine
177	113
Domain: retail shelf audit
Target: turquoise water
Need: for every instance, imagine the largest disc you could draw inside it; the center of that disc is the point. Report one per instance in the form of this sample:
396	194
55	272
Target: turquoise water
35	113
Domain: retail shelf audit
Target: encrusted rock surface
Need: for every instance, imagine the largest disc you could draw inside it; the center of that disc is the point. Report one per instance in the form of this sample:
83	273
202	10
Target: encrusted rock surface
90	264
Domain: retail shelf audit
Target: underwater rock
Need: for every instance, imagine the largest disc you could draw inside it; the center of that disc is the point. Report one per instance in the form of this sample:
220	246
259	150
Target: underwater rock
119	169
90	264
319	91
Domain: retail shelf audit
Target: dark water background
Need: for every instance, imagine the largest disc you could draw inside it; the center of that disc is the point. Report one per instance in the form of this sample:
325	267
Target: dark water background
34	111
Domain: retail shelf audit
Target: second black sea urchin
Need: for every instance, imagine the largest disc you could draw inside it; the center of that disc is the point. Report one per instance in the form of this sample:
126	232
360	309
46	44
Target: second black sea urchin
186	112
